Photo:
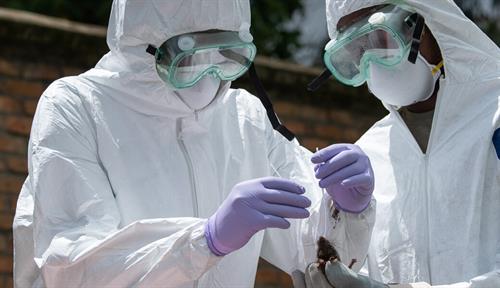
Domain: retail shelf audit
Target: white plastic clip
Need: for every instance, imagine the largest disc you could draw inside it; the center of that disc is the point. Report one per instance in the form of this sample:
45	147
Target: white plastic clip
186	43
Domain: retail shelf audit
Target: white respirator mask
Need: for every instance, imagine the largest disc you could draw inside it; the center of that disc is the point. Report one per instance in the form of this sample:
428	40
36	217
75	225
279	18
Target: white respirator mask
201	94
404	84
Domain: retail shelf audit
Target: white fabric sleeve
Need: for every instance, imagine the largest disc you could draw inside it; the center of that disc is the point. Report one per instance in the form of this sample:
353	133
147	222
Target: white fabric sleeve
294	248
78	238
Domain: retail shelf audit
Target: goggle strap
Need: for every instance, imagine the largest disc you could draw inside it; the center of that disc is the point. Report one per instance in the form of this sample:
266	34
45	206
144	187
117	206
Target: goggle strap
319	81
151	50
415	43
268	105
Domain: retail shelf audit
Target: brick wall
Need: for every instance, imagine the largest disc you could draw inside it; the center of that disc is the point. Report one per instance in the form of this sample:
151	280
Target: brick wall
31	57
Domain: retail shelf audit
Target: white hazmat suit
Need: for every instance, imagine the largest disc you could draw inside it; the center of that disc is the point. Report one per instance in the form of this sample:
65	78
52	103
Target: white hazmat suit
438	214
123	174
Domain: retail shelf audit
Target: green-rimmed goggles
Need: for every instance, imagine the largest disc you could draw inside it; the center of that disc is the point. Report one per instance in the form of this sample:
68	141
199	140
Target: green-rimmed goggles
386	36
183	60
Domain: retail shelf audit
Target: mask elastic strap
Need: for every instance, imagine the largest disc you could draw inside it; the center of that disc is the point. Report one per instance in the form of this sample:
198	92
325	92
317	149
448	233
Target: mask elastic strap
264	98
319	81
419	23
438	67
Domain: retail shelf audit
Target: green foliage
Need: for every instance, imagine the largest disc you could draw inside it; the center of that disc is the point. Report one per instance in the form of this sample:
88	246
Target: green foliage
269	19
487	20
271	28
87	11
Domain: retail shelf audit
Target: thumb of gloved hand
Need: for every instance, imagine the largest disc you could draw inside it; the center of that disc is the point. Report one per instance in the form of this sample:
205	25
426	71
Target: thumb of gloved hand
345	171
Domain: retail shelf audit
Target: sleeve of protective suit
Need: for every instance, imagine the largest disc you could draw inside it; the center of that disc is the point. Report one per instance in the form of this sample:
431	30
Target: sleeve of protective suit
294	248
79	241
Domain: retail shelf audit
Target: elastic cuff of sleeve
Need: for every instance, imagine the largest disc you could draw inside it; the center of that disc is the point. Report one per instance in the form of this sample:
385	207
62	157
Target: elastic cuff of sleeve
217	248
208	237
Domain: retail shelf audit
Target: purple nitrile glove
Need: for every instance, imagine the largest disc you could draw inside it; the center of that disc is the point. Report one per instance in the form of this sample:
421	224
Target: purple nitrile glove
346	173
252	206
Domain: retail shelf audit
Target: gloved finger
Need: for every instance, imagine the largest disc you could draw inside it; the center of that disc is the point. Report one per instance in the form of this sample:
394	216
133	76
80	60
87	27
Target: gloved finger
316	167
283	211
298	279
338	274
341	160
284	197
271	221
315	278
282	184
342	174
325	154
360	180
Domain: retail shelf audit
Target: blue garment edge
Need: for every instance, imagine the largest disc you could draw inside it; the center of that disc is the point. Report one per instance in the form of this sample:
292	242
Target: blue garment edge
496	142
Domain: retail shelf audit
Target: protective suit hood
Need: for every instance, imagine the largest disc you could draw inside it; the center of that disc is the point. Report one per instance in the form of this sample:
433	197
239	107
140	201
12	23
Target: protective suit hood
468	53
471	58
129	73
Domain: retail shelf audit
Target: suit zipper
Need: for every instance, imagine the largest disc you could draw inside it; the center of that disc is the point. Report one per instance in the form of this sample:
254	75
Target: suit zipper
189	163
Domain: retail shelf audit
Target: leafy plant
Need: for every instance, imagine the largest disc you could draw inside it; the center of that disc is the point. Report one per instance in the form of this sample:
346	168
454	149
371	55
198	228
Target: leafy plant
273	36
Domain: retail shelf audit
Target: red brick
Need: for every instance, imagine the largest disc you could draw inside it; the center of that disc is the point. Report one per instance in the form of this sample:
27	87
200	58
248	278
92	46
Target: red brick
266	276
6	219
11	184
22	88
72	71
314	113
341	117
330	132
13	144
10	281
41	72
283	108
4	243
351	135
5	202
9	242
270	276
17	164
30	107
3	280
9	105
18	125
6	263
285	280
312	143
3	166
8	68
296	127
13	202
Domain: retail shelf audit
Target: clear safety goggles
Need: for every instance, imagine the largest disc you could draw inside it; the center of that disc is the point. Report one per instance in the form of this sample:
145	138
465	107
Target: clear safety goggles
387	36
183	60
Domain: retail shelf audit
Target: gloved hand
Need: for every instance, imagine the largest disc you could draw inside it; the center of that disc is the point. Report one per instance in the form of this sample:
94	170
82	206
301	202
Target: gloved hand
313	278
340	276
346	173
252	206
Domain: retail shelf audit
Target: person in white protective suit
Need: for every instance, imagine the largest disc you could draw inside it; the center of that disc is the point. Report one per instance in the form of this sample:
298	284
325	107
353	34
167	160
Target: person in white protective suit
436	156
150	171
